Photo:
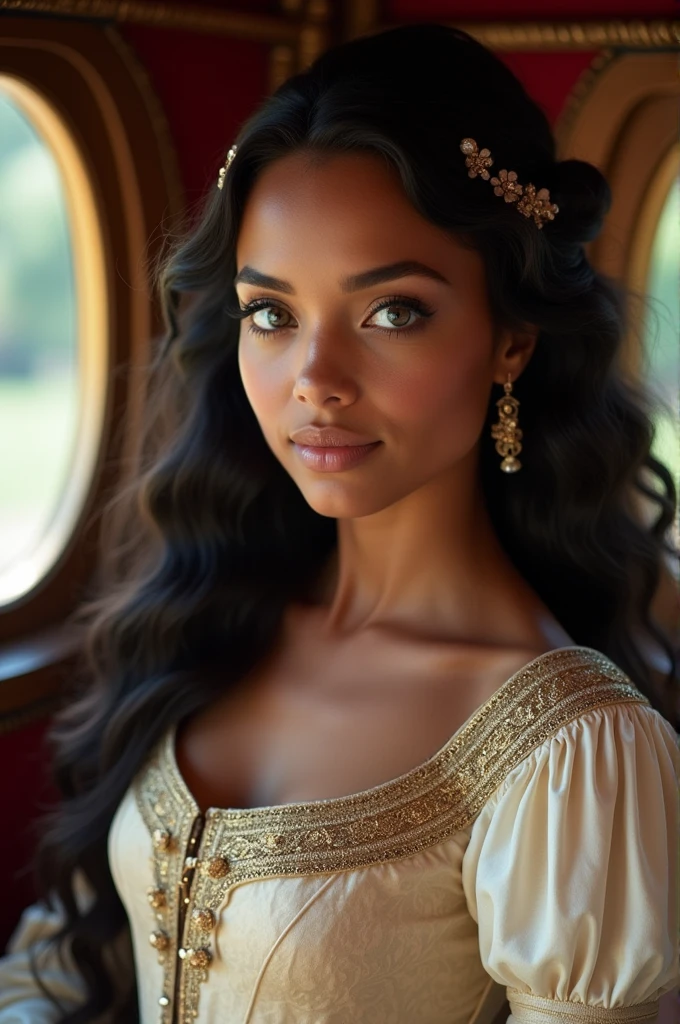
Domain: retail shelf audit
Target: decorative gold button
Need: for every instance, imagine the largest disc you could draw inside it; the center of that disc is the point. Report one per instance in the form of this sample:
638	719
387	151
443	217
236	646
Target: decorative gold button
156	898
159	940
162	840
204	918
198	958
218	867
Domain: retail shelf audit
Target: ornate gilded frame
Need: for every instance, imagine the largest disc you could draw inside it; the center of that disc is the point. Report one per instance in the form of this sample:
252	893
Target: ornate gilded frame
92	78
295	37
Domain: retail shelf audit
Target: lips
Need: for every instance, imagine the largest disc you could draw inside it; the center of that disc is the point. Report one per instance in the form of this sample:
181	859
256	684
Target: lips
329	437
335	459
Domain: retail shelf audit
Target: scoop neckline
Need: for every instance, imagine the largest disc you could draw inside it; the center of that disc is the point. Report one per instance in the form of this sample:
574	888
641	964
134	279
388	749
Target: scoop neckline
399	780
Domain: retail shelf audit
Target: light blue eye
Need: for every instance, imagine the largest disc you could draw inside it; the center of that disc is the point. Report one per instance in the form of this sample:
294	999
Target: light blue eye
270	313
394	317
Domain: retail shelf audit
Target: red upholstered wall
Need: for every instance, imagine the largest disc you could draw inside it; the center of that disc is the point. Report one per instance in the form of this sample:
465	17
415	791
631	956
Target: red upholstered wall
207	85
26	793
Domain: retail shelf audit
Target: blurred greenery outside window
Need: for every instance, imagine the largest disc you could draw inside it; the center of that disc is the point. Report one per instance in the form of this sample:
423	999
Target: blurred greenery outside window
661	358
47	214
38	354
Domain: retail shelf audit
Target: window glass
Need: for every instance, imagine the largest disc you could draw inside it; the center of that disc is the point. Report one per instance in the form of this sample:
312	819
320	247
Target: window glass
46	380
662	334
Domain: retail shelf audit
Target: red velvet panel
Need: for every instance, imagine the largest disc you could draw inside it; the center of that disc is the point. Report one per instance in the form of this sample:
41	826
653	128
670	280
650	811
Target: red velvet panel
26	792
207	85
548	77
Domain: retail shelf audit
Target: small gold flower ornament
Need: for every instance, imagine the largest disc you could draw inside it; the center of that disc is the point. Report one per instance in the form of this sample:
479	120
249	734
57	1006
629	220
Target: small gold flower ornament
506	185
223	170
529	202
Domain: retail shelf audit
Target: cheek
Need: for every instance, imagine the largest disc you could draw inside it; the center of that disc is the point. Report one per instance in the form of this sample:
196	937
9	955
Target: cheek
446	399
258	384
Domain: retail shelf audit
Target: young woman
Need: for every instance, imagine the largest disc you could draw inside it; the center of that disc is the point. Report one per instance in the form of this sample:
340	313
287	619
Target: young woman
370	734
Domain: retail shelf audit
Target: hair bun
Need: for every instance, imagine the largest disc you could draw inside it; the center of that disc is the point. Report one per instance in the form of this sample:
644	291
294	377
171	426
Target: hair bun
584	197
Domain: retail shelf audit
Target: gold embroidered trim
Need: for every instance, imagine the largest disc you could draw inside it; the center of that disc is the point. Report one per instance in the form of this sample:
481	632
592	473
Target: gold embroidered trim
396	819
526	1008
168	816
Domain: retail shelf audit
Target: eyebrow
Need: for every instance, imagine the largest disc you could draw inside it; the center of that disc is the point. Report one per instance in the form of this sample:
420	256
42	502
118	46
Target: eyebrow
354	283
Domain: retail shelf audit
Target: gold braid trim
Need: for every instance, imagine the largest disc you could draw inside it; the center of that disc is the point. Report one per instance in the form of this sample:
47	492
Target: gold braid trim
527	1008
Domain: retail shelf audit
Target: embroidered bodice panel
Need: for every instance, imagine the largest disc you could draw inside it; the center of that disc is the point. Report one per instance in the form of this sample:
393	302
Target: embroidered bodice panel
355	909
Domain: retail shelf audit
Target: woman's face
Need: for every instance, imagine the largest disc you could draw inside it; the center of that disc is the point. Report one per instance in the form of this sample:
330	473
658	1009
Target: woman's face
406	358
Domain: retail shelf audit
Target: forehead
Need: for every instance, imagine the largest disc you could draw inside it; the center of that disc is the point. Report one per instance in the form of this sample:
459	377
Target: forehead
306	213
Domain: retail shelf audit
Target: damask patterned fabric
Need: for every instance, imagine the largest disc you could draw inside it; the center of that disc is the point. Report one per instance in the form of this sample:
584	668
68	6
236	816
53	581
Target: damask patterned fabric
536	855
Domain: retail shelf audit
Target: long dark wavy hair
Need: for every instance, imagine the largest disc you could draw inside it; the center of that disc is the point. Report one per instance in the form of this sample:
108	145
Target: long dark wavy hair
202	553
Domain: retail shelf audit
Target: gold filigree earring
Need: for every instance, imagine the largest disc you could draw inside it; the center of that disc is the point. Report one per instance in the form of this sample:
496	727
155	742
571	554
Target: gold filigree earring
506	433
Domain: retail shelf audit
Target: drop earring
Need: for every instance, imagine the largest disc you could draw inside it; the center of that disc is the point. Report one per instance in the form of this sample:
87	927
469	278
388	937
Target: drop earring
506	433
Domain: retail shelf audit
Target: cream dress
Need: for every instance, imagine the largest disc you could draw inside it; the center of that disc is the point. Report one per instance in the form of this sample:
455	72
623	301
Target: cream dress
535	856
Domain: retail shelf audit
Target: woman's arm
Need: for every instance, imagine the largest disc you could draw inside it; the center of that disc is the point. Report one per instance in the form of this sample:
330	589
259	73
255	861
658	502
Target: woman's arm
22	999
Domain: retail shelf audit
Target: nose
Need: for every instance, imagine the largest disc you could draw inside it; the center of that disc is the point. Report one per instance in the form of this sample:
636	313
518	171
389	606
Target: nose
325	373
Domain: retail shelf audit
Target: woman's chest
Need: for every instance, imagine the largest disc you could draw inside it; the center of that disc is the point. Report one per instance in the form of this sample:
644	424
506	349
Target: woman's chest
292	746
328	909
317	721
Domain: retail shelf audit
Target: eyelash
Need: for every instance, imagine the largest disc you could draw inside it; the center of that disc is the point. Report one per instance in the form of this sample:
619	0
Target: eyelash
401	301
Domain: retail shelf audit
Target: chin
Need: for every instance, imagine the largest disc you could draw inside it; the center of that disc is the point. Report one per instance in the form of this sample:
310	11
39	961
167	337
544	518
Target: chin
337	500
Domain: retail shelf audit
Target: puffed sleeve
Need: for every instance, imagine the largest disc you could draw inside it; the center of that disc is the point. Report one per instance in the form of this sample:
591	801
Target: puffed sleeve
571	871
22	1001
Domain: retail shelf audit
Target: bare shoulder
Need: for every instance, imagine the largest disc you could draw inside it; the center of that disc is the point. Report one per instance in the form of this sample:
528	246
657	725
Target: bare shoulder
480	670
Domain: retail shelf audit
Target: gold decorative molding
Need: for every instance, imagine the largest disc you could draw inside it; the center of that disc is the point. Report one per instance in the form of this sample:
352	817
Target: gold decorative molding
634	34
303	26
281	65
359	17
285	59
314	35
578	95
296	37
263	28
631	34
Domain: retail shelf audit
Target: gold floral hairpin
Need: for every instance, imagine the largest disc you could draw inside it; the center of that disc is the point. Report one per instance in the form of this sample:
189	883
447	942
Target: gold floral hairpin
529	202
223	170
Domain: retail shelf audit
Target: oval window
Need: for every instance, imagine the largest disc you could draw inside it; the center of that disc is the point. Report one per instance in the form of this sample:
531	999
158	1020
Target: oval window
53	337
662	329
